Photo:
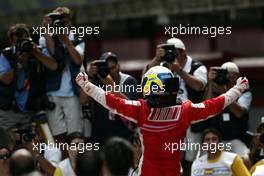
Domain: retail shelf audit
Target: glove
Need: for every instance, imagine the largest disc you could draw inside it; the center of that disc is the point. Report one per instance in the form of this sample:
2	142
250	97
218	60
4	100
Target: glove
242	84
82	79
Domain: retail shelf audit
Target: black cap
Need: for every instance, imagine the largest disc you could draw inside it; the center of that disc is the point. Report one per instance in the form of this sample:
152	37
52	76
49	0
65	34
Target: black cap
109	56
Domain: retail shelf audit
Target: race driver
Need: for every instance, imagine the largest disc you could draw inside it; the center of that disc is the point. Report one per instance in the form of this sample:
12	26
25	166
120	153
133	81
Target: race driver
160	117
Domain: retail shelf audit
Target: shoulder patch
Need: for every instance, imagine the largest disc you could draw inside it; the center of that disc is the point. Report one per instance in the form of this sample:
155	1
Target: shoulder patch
198	105
132	102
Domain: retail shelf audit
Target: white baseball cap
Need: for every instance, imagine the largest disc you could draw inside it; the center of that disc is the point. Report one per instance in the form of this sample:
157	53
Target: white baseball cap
230	67
177	43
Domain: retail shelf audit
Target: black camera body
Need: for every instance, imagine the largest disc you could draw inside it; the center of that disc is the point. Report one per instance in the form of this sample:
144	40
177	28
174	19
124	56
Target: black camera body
26	135
222	76
170	52
57	19
103	69
24	45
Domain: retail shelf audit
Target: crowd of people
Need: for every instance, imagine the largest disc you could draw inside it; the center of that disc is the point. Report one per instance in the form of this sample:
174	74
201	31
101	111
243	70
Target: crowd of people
50	95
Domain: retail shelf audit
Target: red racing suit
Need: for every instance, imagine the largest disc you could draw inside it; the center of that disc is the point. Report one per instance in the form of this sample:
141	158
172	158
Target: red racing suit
161	129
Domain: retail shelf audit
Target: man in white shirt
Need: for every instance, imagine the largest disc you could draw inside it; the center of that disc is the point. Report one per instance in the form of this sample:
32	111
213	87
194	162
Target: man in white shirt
65	118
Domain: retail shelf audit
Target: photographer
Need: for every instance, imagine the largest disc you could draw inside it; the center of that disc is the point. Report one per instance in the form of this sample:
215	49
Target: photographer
193	79
106	73
22	85
232	123
60	85
257	149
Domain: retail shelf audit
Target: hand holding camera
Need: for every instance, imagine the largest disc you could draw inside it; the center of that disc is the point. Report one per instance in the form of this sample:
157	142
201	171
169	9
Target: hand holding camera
218	75
167	53
212	74
160	52
47	21
99	67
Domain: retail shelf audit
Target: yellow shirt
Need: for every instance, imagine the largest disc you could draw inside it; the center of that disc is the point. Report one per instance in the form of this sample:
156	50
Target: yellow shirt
226	164
58	172
258	166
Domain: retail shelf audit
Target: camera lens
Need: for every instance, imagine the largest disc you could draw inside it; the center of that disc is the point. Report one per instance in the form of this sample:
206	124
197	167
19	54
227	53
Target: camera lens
58	23
27	137
170	56
25	45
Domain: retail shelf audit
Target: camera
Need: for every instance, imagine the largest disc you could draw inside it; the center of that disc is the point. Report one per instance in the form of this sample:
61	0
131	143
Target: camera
26	135
222	76
24	45
57	19
170	52
103	69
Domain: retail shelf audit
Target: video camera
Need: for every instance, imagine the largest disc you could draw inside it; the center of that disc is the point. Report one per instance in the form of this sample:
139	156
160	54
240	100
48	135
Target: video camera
103	69
57	19
222	76
24	45
170	52
39	128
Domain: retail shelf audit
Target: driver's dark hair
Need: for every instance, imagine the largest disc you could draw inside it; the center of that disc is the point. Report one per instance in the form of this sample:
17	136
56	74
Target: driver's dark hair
19	30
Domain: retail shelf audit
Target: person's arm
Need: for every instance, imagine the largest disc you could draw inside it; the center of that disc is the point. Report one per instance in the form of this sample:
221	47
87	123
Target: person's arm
45	165
189	79
241	107
238	110
211	107
7	77
209	88
126	108
44	59
6	72
238	168
156	60
75	55
48	39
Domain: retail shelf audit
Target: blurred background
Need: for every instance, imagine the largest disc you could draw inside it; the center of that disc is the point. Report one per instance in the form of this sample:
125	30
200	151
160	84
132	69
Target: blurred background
133	28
